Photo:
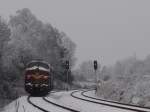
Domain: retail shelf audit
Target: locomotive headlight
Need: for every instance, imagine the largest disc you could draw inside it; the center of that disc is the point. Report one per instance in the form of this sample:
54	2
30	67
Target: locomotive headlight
28	84
45	77
44	85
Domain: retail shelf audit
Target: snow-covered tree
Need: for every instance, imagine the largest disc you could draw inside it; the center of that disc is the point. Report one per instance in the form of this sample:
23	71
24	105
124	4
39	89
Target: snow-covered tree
33	39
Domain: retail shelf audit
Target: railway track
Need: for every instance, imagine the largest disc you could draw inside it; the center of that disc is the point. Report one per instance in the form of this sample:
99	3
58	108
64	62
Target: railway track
90	99
111	104
28	99
99	99
50	102
58	105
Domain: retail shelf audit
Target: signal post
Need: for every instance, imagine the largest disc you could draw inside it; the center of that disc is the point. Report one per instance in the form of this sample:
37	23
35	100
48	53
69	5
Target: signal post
96	77
67	68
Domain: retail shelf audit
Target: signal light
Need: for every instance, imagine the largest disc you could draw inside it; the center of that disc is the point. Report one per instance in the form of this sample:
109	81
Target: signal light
45	77
95	65
67	64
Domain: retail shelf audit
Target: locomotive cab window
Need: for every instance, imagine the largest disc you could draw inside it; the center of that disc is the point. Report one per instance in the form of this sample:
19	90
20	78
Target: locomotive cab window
35	63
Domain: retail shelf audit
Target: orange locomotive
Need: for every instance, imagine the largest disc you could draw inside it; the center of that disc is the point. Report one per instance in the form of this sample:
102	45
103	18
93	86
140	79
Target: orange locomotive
38	78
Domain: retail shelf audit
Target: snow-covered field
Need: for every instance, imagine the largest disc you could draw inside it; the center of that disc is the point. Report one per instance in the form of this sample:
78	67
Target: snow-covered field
62	98
20	105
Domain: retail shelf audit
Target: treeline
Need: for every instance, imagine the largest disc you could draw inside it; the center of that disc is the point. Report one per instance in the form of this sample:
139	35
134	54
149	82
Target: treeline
24	38
128	81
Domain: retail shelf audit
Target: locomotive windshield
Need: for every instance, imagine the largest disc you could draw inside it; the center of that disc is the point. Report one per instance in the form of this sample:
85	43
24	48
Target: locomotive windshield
37	63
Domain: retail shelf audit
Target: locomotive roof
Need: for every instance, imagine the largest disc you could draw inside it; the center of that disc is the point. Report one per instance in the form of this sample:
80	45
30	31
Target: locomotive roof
37	61
41	65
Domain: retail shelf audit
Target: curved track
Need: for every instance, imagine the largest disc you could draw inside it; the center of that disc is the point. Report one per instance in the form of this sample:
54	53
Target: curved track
99	99
50	102
111	104
92	100
66	108
28	99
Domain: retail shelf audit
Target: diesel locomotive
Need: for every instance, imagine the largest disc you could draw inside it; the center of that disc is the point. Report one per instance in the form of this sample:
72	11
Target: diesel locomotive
38	78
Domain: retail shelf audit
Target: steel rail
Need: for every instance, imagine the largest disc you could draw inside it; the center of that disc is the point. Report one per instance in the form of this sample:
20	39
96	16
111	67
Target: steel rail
28	99
58	105
115	102
111	105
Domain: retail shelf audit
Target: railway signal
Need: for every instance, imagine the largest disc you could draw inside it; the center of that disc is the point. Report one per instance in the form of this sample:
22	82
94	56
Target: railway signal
67	68
95	68
67	65
95	65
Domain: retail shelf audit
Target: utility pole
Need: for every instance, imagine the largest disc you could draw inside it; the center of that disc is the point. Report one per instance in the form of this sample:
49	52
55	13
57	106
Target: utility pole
67	70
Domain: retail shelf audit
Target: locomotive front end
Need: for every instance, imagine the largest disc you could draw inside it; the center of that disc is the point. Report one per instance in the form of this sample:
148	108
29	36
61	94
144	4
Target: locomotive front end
38	78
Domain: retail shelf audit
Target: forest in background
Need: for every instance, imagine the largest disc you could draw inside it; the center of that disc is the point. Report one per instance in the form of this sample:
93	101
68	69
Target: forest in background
128	81
24	38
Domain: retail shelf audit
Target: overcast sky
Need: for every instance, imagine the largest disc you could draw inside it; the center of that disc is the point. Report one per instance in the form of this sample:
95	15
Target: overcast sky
107	30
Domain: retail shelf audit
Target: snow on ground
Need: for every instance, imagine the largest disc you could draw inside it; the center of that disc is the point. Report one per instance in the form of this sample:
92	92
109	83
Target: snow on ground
47	106
61	98
64	98
20	105
92	94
